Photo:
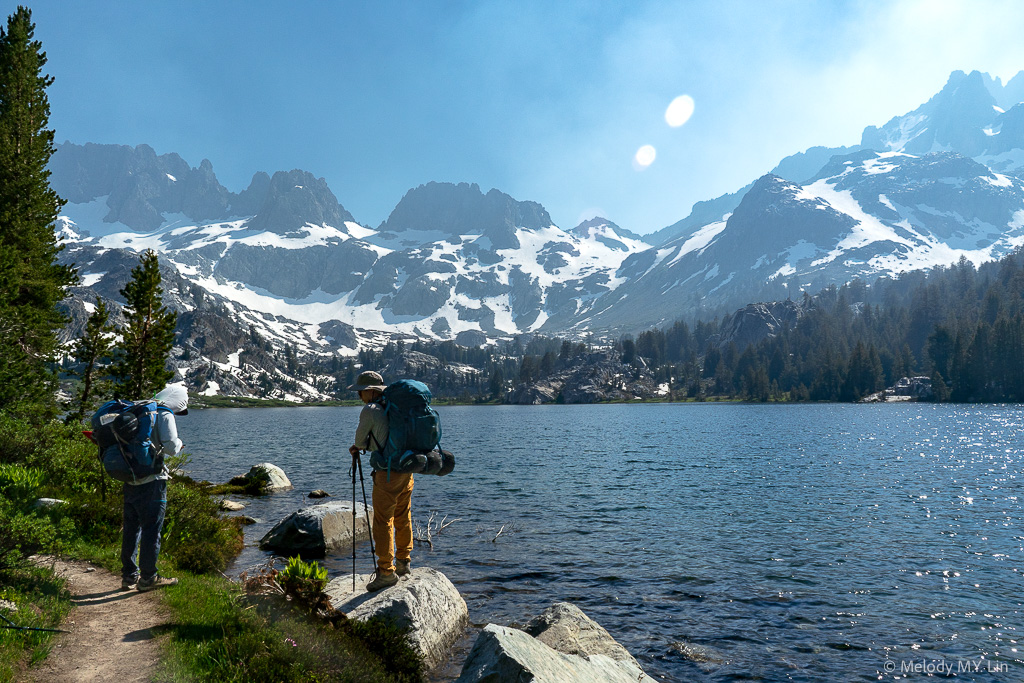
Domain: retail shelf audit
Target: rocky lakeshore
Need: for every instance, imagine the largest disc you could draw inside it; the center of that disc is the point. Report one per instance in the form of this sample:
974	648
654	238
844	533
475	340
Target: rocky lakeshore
560	645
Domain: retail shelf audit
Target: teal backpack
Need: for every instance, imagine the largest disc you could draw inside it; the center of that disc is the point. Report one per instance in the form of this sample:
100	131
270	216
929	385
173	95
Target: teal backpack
414	431
123	430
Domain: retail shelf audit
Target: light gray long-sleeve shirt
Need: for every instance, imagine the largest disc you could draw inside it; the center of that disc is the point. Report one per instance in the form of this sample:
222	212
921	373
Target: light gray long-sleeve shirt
165	442
372	421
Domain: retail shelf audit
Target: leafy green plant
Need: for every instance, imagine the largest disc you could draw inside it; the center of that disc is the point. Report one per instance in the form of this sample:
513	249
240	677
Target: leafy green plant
20	484
303	578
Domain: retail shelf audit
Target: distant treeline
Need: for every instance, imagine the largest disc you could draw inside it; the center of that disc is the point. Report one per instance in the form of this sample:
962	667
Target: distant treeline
961	326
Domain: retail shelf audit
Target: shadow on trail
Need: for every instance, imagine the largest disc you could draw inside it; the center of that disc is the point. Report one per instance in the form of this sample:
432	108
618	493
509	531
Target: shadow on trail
101	598
147	633
90	596
195	633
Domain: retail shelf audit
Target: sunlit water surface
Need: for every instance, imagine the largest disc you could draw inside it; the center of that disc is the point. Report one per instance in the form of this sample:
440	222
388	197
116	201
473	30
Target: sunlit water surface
716	542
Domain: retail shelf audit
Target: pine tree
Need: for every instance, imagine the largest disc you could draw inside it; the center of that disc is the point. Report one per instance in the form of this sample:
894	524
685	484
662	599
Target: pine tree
497	383
31	283
141	366
88	350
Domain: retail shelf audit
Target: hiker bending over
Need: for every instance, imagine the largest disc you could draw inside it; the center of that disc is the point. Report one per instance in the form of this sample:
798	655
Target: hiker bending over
392	495
145	500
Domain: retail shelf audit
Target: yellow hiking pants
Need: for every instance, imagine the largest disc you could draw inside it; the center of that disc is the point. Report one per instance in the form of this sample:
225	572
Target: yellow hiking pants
392	518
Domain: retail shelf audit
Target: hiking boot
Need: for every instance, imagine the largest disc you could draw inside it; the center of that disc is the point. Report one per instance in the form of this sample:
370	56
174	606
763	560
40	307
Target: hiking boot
382	581
126	584
402	567
156	582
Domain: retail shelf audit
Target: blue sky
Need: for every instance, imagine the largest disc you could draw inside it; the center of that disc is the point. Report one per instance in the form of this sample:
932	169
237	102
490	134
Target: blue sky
547	101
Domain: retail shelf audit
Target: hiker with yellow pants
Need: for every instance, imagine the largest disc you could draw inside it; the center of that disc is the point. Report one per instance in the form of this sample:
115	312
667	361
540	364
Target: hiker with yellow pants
392	491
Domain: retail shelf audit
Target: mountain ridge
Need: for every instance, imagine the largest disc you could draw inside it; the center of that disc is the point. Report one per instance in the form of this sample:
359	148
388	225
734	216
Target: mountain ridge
452	261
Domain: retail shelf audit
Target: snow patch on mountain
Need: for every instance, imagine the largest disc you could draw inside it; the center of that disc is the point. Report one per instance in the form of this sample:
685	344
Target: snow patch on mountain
699	240
868	228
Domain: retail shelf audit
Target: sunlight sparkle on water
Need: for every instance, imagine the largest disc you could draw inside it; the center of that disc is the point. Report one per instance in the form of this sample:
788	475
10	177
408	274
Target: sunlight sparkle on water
679	111
644	157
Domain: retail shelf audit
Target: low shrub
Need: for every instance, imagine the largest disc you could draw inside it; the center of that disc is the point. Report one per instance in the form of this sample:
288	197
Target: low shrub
22	533
25	528
389	641
195	535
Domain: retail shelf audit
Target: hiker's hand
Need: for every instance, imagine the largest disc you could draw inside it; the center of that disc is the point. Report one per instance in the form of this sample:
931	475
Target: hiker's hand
353	451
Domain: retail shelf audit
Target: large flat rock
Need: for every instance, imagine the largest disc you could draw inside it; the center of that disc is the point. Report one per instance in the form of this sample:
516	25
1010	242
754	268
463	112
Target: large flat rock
318	529
507	654
425	601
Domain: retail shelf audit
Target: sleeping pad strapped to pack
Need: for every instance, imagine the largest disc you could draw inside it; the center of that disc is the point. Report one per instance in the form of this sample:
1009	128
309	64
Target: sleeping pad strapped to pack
123	431
414	433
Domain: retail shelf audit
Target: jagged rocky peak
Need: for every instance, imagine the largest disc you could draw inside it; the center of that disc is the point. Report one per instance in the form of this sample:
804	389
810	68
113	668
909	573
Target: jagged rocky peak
294	198
140	185
954	119
463	209
248	201
203	197
1008	95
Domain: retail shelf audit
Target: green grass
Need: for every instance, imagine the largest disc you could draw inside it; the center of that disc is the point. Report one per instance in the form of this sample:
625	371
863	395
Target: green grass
42	601
220	634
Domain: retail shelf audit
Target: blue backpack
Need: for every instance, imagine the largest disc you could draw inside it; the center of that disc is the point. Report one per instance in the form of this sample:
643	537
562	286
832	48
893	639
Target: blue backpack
414	429
123	430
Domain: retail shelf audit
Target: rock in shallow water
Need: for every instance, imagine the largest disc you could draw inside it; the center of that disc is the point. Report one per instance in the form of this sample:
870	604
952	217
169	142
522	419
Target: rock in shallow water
425	600
313	531
279	481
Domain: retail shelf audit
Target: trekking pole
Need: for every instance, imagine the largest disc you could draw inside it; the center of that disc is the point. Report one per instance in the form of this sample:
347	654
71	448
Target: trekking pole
29	628
366	510
355	459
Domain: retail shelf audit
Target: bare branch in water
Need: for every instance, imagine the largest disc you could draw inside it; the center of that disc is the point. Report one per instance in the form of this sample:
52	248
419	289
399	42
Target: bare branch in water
433	528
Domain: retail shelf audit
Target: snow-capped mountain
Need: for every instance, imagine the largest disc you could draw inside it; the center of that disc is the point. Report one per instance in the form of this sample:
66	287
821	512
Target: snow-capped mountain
865	215
974	115
452	262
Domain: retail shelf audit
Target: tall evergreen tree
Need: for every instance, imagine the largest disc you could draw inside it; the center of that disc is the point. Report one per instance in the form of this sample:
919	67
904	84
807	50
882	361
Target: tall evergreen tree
31	283
141	366
89	350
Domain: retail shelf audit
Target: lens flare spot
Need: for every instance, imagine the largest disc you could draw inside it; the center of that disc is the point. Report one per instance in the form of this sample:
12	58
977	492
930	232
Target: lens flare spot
644	157
679	111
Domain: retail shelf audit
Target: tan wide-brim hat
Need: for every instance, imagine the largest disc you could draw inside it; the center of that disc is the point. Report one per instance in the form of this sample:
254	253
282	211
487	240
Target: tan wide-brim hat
368	380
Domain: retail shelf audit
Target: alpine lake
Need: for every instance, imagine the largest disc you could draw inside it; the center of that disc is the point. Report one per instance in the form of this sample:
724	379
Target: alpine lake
716	542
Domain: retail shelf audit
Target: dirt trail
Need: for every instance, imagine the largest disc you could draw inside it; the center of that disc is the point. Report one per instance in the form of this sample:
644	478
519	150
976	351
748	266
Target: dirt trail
114	633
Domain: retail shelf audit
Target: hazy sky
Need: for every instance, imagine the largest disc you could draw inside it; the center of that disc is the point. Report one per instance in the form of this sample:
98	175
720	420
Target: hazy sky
546	101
